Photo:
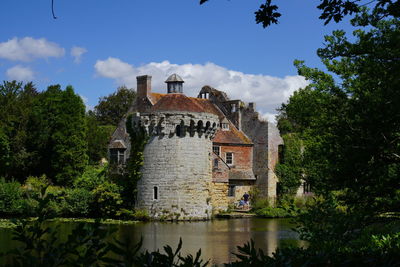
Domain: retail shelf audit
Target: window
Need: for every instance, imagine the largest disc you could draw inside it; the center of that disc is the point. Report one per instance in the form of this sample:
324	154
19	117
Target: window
178	130
114	156
216	150
155	193
306	188
231	191
216	163
121	157
225	126
117	156
229	158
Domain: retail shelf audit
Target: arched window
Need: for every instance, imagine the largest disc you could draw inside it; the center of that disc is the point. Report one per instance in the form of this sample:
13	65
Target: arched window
178	131
199	127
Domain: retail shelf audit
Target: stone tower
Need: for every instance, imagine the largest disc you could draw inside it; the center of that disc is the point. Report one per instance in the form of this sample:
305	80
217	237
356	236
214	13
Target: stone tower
177	171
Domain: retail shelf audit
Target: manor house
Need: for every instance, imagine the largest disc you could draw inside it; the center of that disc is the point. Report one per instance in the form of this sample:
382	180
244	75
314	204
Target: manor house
203	152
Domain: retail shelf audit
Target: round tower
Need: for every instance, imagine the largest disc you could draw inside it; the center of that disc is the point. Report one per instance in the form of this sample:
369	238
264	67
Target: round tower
177	174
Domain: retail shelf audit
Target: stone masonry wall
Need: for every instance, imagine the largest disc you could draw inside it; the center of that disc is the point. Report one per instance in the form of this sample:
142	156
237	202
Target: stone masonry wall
179	166
266	139
219	196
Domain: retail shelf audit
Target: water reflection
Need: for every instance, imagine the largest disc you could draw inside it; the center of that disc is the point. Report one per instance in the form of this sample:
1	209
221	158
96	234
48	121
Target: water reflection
218	238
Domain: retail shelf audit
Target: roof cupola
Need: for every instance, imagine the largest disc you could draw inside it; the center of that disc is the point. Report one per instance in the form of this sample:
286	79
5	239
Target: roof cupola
174	84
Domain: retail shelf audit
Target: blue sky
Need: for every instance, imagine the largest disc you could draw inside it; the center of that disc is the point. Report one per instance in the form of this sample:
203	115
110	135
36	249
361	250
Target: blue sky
98	45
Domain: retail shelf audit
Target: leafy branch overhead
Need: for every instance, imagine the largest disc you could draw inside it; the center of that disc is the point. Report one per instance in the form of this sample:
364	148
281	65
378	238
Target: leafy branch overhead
268	14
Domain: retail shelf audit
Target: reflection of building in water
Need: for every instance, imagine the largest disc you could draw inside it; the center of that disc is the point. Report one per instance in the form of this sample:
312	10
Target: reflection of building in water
217	239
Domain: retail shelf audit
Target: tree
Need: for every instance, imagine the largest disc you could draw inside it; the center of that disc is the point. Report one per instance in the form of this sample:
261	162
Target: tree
113	107
58	129
268	14
290	168
351	128
98	137
16	102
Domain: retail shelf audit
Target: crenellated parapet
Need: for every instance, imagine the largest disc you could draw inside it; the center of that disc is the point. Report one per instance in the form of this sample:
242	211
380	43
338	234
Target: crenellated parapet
181	124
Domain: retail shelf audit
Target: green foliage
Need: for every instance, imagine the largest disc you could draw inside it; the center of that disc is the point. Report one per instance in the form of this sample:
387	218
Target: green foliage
86	245
5	155
107	199
272	212
249	256
77	202
335	10
131	173
137	214
290	168
16	102
11	200
113	107
98	137
92	177
58	136
349	122
33	183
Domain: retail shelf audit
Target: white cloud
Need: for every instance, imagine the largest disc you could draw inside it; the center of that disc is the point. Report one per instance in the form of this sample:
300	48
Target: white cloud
20	73
267	91
77	53
28	48
86	102
271	117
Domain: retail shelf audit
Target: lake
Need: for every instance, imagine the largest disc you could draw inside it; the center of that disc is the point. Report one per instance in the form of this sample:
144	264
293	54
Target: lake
217	238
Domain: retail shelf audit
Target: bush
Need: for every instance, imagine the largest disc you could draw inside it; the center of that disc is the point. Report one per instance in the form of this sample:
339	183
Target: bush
34	185
91	178
272	212
77	202
137	214
56	200
11	201
107	199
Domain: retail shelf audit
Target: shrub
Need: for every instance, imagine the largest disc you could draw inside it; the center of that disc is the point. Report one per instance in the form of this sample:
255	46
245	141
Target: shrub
29	207
77	202
34	185
107	199
11	201
56	200
91	178
272	212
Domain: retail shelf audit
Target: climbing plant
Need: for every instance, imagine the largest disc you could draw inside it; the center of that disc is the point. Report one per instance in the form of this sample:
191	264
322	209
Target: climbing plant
132	171
289	169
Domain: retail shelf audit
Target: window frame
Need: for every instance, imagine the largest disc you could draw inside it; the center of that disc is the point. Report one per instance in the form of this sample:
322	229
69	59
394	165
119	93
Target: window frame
155	193
219	149
231	190
226	158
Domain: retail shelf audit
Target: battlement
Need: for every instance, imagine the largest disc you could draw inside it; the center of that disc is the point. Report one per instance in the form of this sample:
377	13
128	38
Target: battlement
180	124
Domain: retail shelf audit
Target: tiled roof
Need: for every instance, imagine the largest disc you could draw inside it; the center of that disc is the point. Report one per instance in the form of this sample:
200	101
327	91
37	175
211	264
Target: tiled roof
180	102
154	97
233	136
241	175
208	107
117	144
177	102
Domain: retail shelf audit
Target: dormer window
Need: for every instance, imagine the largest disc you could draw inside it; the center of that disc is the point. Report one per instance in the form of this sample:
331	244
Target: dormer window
205	95
225	126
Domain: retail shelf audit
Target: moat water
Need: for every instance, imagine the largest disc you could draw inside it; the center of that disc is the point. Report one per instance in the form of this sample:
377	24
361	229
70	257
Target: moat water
218	239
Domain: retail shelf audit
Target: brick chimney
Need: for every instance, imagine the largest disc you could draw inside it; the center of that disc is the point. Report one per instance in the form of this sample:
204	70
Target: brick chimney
143	86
